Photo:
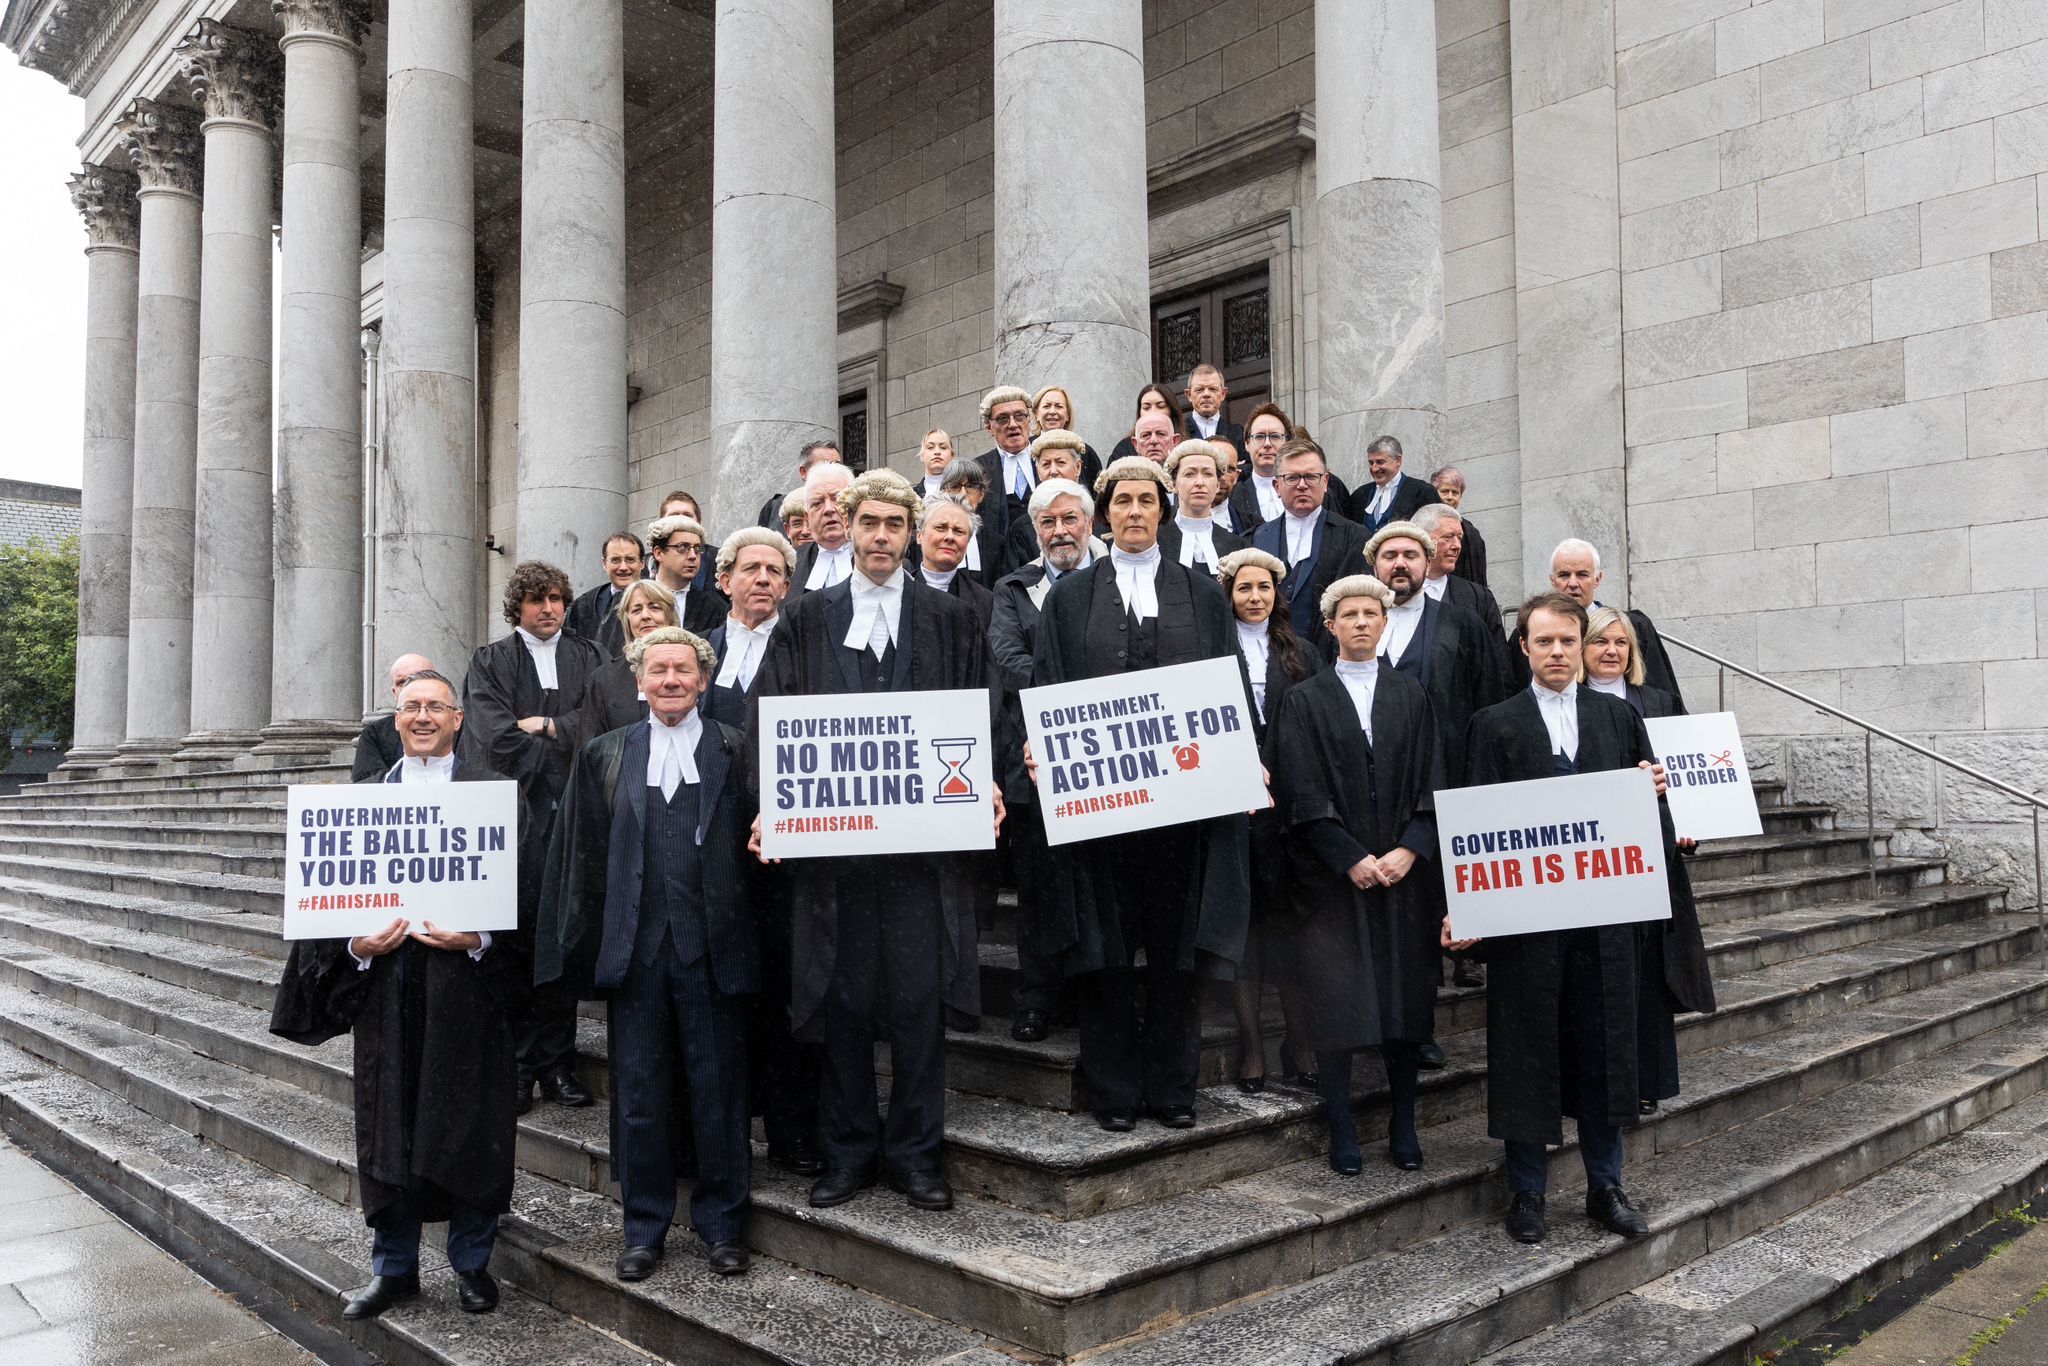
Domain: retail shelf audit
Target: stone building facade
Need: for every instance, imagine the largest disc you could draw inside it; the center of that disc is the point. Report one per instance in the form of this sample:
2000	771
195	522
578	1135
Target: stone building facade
1754	296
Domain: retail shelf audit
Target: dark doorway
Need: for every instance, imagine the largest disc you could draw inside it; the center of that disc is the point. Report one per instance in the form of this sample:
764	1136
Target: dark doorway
853	431
1229	325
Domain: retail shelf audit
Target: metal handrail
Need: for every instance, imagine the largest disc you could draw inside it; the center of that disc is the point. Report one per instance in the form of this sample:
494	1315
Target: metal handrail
1871	730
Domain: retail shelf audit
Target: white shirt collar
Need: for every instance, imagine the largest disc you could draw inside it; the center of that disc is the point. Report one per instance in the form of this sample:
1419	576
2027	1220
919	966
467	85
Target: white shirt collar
1197	540
1137	580
874	602
542	653
1301	535
1402	624
1435	587
1560	713
1205	426
427	769
1256	646
941	579
1087	558
1613	687
677	743
831	567
1360	678
744	646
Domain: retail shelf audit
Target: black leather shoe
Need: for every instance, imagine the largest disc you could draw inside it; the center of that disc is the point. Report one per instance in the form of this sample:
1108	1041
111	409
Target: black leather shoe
476	1292
1030	1026
525	1094
563	1089
1346	1163
839	1185
924	1190
1305	1081
1646	1107
1175	1116
801	1157
380	1294
730	1259
638	1263
1468	974
1430	1056
1117	1121
1525	1217
1251	1086
1609	1208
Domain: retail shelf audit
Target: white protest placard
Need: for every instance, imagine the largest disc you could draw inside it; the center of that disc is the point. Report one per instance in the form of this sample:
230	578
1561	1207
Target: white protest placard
876	773
1553	854
359	856
1140	750
1706	775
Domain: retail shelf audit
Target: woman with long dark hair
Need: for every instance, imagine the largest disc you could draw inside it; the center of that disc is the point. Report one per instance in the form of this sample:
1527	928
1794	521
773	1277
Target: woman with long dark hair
1275	659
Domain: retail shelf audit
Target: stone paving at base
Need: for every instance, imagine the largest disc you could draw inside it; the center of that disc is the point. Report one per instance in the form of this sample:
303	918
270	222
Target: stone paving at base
78	1285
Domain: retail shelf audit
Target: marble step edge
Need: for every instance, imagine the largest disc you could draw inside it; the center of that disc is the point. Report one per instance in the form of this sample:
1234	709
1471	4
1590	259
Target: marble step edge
312	1249
1741	1298
780	1203
176	835
125	854
197	779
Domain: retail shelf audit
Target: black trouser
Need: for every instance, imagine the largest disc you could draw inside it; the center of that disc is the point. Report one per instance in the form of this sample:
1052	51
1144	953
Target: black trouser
1038	973
664	1014
885	984
1149	1058
545	1031
784	1071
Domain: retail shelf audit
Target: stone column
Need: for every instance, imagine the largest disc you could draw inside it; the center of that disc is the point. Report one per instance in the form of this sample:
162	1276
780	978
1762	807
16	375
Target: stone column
774	248
317	652
234	74
427	548
573	471
1073	290
164	145
1379	228
106	199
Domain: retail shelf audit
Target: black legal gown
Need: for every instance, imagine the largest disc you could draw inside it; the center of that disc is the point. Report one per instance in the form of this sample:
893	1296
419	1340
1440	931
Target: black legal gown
1368	959
1525	1090
939	646
435	1067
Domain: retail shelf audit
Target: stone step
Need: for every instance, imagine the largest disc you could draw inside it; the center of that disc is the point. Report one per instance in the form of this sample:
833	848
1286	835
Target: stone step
1455	1296
1271	1226
221	891
122	851
195	778
172	837
1739	1302
266	815
292	1248
1738	897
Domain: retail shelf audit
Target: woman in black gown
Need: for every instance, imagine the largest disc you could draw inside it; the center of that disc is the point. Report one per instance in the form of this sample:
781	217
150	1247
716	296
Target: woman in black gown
1671	956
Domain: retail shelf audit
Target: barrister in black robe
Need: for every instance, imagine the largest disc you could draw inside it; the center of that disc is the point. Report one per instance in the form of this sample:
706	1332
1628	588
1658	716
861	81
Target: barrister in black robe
1006	414
1472	564
1448	531
1276	659
1442	647
754	567
874	953
1191	534
595	613
1673	954
1317	546
432	1012
515	710
1061	513
1056	453
613	697
1575	572
1449	483
985	557
1355	768
644	904
377	744
1181	893
1560	1005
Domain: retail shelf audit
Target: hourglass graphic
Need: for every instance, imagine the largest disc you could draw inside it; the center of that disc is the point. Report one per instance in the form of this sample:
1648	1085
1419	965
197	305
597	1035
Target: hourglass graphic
956	786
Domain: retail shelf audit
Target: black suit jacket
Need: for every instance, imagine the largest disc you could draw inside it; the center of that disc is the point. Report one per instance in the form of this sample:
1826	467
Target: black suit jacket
1472	564
1233	432
592	617
1001	506
771	512
501	687
705	609
1410	494
1339	550
1477	599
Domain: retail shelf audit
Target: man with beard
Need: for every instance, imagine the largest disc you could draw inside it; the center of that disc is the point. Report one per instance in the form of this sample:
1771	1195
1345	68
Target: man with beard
1182	893
516	690
1442	524
828	559
644	903
434	1064
875	955
1055	454
1576	573
754	566
678	544
594	616
1317	546
1449	483
1061	514
1006	413
1561	1004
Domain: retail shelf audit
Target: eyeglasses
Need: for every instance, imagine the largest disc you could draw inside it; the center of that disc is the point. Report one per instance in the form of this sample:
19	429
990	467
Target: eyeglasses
424	709
1009	419
1300	481
1266	438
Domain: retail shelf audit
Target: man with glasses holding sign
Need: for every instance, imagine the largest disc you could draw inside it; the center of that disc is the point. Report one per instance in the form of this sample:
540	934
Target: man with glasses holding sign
432	1010
873	953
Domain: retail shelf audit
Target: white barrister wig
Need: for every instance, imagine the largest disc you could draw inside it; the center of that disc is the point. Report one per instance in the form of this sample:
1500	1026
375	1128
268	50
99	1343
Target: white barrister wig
1400	531
1192	448
1251	557
636	651
1131	467
1355	586
729	553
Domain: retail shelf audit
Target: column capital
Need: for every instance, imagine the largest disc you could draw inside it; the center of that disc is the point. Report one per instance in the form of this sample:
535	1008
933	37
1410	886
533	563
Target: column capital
236	74
105	197
348	20
163	142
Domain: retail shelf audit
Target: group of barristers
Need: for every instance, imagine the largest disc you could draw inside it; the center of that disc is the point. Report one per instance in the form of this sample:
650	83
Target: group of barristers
738	986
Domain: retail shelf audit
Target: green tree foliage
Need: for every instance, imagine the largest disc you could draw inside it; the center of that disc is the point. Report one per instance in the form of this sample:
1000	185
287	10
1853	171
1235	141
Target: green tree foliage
38	637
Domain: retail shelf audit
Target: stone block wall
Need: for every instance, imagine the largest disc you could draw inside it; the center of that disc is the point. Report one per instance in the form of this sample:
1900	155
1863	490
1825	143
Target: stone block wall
1835	313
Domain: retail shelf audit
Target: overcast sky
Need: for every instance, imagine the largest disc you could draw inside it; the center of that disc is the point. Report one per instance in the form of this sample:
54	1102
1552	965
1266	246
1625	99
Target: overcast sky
42	240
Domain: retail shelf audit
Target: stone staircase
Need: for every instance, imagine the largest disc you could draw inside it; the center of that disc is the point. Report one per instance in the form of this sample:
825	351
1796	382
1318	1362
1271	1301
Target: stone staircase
1873	1084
